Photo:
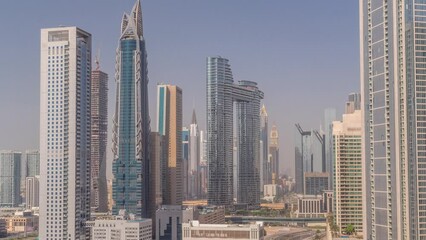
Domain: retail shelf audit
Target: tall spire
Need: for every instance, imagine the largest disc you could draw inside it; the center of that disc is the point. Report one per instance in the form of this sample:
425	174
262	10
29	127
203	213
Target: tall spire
136	15
131	24
194	118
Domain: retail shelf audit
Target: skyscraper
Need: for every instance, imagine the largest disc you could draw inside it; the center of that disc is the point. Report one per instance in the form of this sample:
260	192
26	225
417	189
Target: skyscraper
194	158
10	178
99	134
221	95
348	171
169	124
392	40
353	103
131	120
65	68
309	154
32	160
329	117
248	138
185	162
32	192
265	170
203	165
274	155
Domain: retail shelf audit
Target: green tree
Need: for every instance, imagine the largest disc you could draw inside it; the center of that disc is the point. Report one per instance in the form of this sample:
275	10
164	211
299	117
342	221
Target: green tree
350	229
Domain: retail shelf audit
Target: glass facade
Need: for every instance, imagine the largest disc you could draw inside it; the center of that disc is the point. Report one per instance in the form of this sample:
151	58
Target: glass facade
221	95
393	78
131	120
10	178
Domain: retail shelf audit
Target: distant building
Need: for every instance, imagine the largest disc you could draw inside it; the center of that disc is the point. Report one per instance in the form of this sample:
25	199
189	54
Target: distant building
121	228
197	230
98	140
10	178
203	166
273	164
348	171
270	190
32	192
265	167
169	219
316	182
221	95
110	199
353	103
327	128
185	162
210	214
309	155
3	228
21	221
32	160
314	205
194	187
169	125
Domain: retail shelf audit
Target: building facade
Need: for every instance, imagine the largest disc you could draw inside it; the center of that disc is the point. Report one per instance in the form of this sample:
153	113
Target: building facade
327	127
353	103
120	229
185	162
348	189
316	182
10	178
32	192
32	163
99	136
221	95
65	68
131	122
158	158
194	187
394	120
169	219
169	125
309	155
265	166
197	230
274	155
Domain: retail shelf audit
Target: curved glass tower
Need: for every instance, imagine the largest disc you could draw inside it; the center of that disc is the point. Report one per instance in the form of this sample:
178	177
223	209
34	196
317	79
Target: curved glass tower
131	120
221	95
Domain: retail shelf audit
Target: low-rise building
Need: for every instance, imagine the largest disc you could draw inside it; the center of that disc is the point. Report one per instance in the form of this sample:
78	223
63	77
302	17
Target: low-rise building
314	205
123	227
21	221
3	229
211	214
196	230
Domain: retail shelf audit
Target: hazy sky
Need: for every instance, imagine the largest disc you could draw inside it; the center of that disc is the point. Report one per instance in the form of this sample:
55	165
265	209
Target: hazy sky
303	54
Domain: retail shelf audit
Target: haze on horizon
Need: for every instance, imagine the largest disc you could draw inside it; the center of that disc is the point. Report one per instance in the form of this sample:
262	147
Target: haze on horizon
304	56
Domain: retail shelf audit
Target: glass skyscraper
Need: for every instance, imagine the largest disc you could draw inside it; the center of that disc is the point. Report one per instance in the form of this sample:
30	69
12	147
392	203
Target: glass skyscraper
32	158
131	121
10	178
265	168
393	80
309	155
221	95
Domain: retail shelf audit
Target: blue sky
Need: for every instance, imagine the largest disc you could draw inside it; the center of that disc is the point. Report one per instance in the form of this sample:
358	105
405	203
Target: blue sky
303	54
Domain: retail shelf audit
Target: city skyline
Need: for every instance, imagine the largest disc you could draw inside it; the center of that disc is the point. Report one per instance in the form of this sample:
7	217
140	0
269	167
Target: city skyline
279	34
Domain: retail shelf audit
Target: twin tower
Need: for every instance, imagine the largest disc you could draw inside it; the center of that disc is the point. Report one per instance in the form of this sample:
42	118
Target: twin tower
222	93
